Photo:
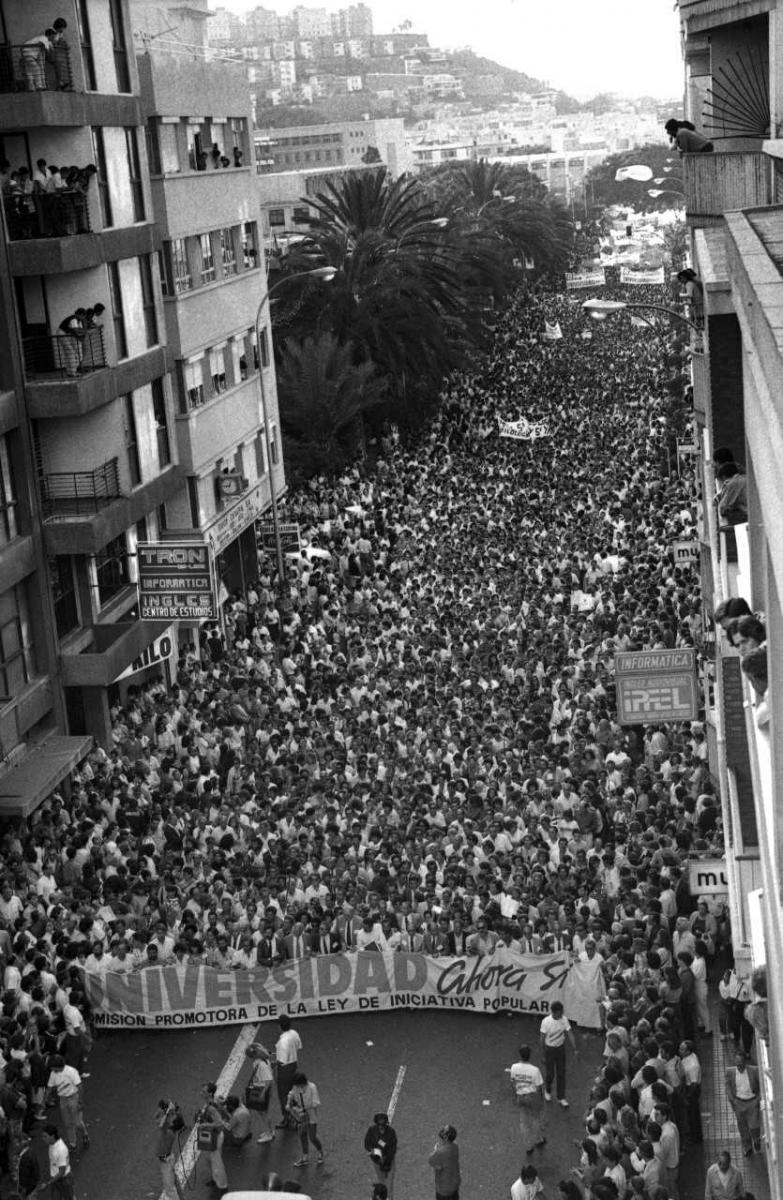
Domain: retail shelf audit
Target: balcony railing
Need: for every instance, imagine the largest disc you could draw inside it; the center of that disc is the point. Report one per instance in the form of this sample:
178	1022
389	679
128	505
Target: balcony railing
75	493
63	213
31	68
64	356
718	183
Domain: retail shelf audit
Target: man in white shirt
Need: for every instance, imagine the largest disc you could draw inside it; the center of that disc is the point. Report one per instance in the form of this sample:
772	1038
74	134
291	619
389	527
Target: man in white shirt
66	1083
61	1180
528	1084
287	1049
555	1028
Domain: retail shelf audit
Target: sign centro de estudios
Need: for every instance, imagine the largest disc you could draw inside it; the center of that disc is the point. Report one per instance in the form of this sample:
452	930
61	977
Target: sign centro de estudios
175	582
656	685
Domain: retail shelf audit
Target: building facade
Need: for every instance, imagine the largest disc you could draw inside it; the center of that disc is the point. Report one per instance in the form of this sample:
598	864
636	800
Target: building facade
734	209
343	143
129	373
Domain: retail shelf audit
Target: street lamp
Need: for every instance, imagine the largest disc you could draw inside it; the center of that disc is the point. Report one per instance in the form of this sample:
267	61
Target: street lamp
599	310
656	192
496	198
326	275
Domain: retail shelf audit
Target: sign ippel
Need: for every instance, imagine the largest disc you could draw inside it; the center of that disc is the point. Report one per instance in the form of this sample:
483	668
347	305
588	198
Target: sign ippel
175	581
656	685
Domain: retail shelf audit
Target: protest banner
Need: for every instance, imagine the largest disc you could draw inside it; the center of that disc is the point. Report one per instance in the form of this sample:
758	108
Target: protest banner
639	277
552	331
190	996
523	430
587	279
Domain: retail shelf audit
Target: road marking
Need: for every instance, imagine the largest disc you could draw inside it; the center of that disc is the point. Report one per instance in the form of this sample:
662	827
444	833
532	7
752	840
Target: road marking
225	1081
396	1093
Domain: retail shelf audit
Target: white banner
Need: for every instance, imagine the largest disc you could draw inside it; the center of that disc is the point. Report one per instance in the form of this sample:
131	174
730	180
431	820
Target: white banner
589	279
636	278
523	430
191	996
553	332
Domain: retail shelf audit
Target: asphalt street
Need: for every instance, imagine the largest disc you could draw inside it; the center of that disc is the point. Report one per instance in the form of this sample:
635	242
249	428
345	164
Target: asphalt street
454	1072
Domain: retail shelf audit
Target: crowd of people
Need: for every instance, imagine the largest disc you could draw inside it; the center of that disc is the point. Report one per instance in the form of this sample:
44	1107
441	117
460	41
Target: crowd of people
50	201
412	743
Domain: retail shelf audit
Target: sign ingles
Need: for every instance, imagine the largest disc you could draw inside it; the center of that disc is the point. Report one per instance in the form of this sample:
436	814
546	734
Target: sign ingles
175	582
656	685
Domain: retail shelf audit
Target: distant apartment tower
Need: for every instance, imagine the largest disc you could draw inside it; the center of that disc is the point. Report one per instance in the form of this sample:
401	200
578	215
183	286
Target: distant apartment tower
125	431
343	143
352	22
312	22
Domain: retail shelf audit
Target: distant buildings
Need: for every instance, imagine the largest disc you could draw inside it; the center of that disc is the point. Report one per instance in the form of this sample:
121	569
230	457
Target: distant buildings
342	144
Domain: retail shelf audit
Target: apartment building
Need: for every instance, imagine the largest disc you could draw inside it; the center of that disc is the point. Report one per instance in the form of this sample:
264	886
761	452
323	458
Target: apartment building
139	419
734	209
343	143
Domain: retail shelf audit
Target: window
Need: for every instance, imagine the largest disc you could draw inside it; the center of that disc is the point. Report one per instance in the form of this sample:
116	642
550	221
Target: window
264	349
152	133
118	312
276	217
195	507
163	520
161	422
217	369
273	445
194	384
17	660
63	587
207	258
102	179
301	215
179	271
148	300
118	44
88	60
111	569
249	250
260	449
134	173
131	440
228	252
8	523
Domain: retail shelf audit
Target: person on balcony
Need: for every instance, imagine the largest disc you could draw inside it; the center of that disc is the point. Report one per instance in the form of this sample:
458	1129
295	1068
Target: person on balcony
72	341
686	139
61	55
732	498
35	53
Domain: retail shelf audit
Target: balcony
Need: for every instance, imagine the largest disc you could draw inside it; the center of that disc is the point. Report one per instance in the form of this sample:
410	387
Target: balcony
57	214
719	183
51	396
224	422
56	255
23	68
74	493
112	648
103	518
63	356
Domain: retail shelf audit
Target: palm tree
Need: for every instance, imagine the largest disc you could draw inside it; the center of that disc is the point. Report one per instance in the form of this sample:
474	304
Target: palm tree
401	295
323	397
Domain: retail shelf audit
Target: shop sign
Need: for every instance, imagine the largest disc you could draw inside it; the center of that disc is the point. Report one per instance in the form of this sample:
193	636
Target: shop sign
175	582
685	552
656	685
228	526
159	651
290	540
708	877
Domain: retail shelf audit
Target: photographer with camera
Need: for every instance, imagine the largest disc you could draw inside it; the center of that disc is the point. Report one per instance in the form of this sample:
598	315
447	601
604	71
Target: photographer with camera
170	1123
211	1121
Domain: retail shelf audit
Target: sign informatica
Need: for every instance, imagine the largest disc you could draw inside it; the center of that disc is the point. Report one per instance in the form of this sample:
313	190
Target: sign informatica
175	582
656	685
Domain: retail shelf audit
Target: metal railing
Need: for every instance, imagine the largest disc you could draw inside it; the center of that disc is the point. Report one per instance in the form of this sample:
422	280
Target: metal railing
73	493
63	213
33	68
720	182
63	355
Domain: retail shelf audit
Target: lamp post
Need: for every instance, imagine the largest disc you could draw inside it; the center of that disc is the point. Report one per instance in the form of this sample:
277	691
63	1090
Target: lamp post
326	274
656	192
599	310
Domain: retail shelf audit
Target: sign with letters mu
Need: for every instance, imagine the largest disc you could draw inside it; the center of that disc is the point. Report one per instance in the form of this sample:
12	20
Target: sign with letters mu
175	582
656	685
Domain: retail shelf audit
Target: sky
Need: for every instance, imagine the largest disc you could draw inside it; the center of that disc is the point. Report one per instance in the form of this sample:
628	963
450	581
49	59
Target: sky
582	46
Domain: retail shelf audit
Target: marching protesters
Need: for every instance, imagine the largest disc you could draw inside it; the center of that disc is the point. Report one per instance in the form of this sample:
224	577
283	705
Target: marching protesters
444	1161
555	1029
287	1049
743	1091
303	1105
724	1181
528	1084
380	1142
65	1083
527	1186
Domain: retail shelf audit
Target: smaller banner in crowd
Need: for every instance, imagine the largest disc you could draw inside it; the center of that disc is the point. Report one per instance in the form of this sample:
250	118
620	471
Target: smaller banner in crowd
588	279
191	996
553	331
523	430
637	278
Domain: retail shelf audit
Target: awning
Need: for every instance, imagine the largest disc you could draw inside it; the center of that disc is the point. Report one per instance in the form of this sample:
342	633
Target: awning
25	787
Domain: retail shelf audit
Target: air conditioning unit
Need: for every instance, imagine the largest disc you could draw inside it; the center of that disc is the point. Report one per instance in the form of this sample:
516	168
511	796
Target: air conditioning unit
231	484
